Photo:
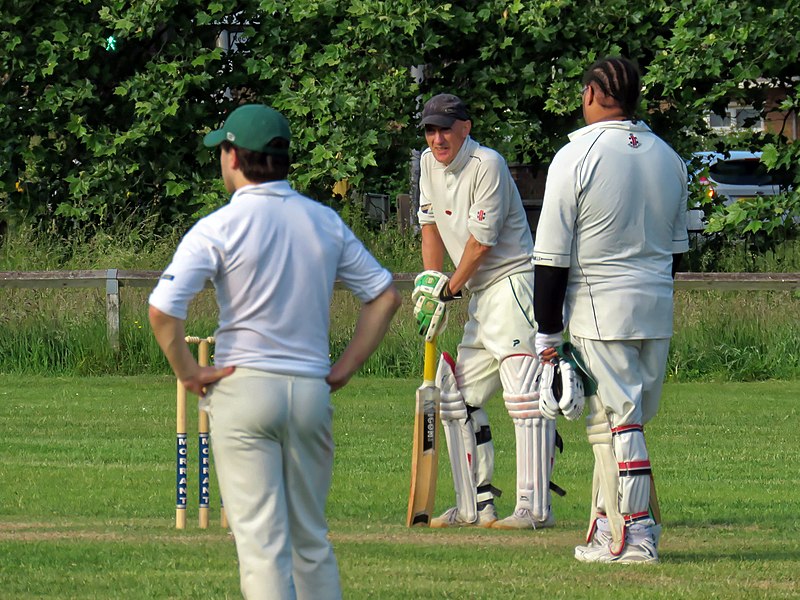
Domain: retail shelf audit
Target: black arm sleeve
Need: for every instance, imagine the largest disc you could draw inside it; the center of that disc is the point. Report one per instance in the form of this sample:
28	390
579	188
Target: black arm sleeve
676	263
549	289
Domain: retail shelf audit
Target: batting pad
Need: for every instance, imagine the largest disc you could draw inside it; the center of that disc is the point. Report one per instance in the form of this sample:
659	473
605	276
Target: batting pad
634	468
460	437
605	481
535	436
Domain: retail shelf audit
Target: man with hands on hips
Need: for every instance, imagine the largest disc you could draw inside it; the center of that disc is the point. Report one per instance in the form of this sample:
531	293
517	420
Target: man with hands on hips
273	256
470	208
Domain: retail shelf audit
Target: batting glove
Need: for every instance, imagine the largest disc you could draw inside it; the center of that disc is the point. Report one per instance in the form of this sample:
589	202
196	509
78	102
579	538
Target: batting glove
561	386
429	310
431	315
430	283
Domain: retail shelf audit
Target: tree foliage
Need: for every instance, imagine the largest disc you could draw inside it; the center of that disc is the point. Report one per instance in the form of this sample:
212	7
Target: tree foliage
98	130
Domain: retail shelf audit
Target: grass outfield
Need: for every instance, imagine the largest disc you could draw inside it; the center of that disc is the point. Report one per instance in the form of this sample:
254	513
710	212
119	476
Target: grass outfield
87	500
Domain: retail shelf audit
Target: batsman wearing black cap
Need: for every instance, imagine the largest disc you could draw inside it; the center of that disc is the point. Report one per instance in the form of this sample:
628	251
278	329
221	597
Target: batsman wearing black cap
470	208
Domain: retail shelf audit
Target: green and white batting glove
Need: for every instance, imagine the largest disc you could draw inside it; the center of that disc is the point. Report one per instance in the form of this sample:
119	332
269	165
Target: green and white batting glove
431	315
430	283
429	310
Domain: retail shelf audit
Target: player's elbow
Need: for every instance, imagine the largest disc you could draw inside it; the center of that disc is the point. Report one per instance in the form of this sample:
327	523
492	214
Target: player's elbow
381	310
394	299
477	249
483	248
389	300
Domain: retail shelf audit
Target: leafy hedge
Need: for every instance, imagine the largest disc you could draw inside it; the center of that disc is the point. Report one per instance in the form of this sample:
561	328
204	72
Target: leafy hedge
104	102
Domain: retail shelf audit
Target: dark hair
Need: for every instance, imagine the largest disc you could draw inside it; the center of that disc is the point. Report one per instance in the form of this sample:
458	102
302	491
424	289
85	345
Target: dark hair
617	78
259	167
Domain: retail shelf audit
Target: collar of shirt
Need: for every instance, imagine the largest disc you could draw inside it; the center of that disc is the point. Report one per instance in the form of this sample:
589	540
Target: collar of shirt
268	188
639	126
463	156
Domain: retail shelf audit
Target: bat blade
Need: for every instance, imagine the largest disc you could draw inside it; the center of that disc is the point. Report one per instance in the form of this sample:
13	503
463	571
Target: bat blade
425	456
655	509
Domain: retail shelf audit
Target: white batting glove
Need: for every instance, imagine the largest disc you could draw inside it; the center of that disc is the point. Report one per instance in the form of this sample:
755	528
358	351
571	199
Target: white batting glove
548	406
561	387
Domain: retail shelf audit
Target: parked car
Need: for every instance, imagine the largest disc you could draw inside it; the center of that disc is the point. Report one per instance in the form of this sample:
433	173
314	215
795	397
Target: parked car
725	179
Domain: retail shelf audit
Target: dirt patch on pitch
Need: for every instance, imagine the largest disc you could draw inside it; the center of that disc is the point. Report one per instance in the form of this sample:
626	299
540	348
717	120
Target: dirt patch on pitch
73	532
483	539
83	531
51	536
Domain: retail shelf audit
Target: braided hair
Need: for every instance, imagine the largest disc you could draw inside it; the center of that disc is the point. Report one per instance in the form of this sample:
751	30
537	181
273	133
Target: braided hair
617	78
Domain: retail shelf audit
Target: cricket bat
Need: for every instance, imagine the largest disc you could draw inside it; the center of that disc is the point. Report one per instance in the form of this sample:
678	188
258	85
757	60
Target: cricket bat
425	453
655	509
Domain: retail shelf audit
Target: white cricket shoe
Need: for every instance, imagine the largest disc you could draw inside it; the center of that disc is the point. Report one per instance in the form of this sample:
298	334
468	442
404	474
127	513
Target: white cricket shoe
601	535
632	554
656	531
450	518
523	519
640	548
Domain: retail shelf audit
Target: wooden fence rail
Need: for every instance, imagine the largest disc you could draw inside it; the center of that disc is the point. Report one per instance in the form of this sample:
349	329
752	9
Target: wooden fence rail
113	279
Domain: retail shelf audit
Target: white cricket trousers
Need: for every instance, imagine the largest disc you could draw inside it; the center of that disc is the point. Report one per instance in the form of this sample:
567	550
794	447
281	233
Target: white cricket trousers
272	439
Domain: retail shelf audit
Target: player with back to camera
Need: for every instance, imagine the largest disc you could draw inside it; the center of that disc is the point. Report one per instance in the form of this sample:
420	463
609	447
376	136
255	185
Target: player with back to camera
470	208
273	256
609	241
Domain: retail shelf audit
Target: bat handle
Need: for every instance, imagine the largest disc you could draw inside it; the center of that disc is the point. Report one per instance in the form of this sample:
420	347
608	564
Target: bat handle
429	370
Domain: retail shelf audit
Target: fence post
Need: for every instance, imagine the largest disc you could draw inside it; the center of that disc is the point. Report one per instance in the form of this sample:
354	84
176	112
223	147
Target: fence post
403	211
112	308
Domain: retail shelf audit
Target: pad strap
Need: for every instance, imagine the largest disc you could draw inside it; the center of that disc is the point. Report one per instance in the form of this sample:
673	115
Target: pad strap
483	458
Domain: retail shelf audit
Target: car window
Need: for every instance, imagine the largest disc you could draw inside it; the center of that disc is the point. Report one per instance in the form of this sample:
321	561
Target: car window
749	171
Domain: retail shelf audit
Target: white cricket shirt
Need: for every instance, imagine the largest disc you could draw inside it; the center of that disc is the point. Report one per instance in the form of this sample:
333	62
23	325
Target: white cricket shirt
273	256
475	194
614	213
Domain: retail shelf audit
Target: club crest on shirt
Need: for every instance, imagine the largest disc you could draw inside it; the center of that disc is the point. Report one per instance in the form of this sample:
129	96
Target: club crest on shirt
481	215
426	209
633	141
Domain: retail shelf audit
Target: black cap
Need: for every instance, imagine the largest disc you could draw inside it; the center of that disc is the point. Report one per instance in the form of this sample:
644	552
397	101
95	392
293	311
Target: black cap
443	110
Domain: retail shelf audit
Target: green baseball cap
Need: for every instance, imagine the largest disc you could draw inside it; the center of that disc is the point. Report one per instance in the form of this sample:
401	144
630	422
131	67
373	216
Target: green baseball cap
252	127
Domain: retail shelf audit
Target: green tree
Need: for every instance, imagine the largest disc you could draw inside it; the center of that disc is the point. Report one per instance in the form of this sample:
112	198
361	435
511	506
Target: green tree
96	130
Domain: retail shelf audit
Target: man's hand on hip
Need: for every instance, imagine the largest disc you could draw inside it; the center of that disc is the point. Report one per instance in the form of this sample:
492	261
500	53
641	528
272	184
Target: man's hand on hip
205	376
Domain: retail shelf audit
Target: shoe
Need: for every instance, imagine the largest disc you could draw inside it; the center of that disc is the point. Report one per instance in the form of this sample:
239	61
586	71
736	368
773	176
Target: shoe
656	531
450	518
523	519
601	535
640	548
632	554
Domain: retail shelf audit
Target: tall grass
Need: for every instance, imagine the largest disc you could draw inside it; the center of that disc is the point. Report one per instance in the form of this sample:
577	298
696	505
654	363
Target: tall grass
731	336
735	336
137	246
720	336
719	255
